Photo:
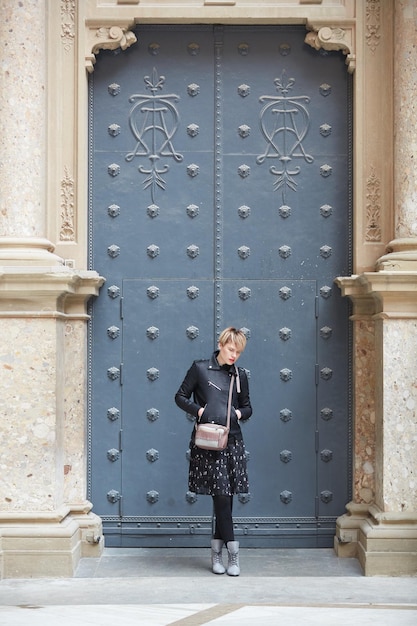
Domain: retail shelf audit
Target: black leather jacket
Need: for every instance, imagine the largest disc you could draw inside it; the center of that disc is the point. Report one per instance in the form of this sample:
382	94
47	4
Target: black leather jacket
207	384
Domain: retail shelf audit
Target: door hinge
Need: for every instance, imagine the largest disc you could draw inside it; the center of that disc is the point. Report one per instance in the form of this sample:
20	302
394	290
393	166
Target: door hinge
121	374
121	307
317	506
317	374
317	440
121	440
317	306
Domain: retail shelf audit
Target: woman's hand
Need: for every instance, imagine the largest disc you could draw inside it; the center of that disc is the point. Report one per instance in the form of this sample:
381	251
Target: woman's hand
238	414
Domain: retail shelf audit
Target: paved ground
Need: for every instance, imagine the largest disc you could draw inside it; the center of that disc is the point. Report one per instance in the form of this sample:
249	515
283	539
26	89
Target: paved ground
156	587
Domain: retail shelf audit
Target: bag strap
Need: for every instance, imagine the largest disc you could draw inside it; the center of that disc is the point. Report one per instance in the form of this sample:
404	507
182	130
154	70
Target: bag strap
229	402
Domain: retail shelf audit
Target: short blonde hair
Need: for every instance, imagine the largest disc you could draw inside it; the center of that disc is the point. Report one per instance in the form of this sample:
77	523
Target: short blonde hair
233	335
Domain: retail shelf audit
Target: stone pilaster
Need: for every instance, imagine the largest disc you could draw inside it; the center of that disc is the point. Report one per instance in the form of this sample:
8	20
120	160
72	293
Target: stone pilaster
46	523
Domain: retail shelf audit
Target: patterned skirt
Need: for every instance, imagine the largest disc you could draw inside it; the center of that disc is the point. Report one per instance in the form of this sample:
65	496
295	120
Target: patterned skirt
218	473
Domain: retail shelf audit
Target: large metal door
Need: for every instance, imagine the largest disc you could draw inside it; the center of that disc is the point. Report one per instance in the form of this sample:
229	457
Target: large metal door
220	195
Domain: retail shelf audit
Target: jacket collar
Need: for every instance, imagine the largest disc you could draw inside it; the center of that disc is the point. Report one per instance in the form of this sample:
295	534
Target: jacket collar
214	365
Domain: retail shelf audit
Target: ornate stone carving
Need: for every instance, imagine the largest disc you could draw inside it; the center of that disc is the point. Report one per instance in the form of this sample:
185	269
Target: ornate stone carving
68	24
373	207
67	231
106	38
328	38
373	23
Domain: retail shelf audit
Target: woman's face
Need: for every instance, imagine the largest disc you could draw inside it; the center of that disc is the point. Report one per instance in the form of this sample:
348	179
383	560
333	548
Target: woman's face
228	354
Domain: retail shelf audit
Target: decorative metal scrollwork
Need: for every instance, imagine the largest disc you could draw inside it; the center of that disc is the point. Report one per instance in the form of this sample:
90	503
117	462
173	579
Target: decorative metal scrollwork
113	496
113	455
152	414
285	415
113	414
152	373
285	497
285	374
244	498
285	122
152	496
154	120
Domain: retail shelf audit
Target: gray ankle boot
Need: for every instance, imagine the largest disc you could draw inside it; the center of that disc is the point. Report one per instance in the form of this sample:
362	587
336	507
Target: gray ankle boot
233	564
216	556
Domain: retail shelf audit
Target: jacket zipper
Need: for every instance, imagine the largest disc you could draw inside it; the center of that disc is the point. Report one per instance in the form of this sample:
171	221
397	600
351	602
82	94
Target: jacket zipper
213	385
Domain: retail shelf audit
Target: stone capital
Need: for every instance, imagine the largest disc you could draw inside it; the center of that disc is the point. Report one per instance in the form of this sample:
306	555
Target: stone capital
383	295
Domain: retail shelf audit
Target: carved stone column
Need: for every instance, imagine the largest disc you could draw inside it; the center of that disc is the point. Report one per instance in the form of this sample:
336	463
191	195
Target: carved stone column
46	522
381	524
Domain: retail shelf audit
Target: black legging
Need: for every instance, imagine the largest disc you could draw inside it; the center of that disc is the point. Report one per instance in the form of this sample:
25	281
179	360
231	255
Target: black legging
223	506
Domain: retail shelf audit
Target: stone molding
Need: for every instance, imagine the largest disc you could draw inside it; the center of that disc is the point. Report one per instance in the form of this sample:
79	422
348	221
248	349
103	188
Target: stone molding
384	543
46	292
328	37
382	295
107	38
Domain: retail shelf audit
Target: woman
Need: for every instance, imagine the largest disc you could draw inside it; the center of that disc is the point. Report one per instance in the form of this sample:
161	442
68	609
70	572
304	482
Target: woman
220	474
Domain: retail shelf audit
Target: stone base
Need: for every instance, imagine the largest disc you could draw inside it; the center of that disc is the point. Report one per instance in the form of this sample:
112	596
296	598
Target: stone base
47	546
385	544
